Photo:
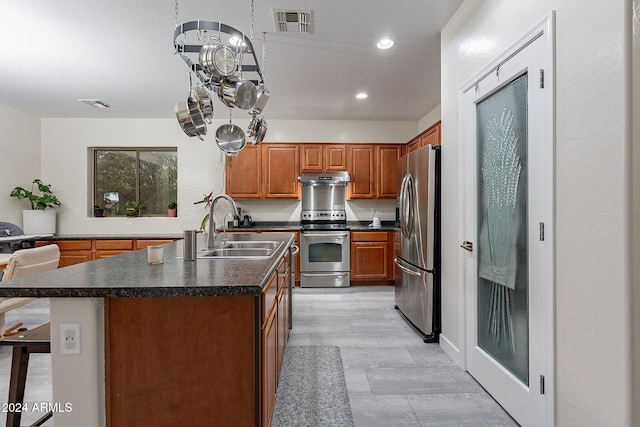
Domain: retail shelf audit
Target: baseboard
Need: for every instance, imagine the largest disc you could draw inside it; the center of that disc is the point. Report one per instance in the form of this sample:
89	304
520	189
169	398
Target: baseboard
452	351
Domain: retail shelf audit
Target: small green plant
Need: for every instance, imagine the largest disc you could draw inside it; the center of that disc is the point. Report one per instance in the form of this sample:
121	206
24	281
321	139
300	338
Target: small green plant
172	205
132	208
45	198
98	211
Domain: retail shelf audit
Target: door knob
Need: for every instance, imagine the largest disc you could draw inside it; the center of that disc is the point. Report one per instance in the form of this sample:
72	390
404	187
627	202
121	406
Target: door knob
467	246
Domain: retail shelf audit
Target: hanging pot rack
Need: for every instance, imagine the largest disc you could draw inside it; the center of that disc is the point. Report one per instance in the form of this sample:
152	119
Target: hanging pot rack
189	37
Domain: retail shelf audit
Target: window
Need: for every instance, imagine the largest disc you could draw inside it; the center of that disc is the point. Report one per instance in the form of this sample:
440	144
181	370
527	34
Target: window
124	176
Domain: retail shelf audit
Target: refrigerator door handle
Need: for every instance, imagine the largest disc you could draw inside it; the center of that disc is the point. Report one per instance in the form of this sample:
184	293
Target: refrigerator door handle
406	269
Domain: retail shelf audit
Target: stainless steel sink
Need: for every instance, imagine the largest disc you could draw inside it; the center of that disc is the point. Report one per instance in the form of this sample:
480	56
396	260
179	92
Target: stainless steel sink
245	244
244	249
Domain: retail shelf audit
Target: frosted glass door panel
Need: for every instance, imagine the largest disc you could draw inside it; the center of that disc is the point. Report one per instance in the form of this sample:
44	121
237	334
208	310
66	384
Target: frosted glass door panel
503	270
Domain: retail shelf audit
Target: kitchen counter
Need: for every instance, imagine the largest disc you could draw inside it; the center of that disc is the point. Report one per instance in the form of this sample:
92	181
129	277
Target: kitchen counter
364	226
295	226
177	343
129	275
113	237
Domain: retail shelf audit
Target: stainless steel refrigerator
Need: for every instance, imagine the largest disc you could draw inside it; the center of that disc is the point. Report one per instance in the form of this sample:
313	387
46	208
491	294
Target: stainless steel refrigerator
417	260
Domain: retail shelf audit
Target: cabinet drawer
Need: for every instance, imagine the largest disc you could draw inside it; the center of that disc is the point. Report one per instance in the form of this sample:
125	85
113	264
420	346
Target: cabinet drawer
141	244
269	295
369	236
114	244
73	245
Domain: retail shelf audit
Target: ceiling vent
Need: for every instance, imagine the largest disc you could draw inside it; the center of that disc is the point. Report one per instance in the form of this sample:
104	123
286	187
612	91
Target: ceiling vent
293	21
96	103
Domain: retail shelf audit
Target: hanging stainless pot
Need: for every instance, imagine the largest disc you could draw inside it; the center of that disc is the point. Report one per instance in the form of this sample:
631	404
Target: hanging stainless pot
206	104
217	62
230	138
262	98
260	132
254	123
238	93
190	118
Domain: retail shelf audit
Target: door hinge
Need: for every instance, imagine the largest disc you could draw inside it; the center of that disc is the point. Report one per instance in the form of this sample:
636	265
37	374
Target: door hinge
541	384
541	78
542	231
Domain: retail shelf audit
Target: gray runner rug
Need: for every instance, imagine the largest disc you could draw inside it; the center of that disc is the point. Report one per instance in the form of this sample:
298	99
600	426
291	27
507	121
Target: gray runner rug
312	389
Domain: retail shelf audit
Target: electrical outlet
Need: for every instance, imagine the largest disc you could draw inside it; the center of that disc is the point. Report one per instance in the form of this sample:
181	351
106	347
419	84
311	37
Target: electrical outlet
70	338
76	212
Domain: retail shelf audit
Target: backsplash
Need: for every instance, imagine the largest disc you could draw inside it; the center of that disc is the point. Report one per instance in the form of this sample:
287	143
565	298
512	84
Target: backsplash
288	210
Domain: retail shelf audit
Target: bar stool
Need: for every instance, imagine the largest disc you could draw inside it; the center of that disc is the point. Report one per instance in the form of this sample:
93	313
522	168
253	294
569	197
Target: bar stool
37	340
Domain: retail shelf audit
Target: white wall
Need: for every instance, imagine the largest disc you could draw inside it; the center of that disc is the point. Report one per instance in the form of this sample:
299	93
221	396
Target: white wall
592	285
19	160
430	118
65	144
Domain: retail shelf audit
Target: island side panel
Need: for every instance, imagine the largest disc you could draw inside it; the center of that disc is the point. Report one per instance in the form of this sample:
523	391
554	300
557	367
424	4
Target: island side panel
77	380
180	361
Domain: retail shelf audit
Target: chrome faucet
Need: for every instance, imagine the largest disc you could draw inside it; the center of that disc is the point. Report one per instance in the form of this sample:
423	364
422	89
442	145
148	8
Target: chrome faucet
224	226
212	223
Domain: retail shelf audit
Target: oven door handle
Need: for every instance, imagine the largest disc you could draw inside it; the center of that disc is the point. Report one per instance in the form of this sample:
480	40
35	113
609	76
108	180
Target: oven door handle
323	274
325	234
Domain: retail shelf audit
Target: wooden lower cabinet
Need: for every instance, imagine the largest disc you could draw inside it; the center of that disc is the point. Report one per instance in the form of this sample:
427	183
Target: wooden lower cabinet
79	251
181	361
269	362
72	251
142	244
108	248
196	361
371	257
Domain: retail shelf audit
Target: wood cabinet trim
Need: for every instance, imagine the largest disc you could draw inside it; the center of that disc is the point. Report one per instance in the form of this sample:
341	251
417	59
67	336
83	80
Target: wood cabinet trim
113	245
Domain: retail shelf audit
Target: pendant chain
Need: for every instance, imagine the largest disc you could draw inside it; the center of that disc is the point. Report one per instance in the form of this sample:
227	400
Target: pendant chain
176	13
264	56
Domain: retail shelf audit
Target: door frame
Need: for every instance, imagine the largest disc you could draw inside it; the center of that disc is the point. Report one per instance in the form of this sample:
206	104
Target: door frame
545	29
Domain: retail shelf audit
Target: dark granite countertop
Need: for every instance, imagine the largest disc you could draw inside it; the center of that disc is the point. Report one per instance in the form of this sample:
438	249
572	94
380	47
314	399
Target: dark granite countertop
129	275
295	226
114	237
364	226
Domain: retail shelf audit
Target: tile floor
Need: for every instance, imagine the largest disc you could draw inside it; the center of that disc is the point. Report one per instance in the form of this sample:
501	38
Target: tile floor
393	378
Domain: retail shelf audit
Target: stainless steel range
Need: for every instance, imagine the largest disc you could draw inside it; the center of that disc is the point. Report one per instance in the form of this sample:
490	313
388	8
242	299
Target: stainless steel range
324	241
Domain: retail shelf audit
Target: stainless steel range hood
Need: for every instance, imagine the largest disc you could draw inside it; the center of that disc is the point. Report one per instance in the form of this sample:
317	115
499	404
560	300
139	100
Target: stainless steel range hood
324	178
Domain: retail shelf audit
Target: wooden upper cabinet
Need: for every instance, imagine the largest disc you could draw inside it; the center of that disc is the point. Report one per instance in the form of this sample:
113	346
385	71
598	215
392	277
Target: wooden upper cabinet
243	179
361	167
280	169
414	144
335	157
431	136
312	157
387	167
323	157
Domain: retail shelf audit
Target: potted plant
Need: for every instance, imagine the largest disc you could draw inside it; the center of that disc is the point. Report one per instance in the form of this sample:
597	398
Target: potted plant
132	208
98	211
172	209
206	199
38	220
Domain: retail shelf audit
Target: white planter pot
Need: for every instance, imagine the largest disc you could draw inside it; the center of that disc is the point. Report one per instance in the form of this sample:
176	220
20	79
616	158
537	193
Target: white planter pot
39	221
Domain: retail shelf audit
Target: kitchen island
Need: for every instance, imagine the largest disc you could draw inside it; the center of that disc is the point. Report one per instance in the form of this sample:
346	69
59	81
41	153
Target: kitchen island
178	343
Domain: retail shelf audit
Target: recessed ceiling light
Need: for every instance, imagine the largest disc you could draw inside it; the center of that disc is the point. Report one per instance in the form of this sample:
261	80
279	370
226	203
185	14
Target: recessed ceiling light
95	103
384	44
361	95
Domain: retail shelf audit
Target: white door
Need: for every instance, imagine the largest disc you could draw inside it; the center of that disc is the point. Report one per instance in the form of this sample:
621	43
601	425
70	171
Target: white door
507	158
